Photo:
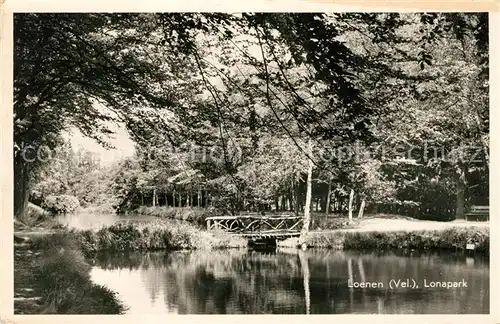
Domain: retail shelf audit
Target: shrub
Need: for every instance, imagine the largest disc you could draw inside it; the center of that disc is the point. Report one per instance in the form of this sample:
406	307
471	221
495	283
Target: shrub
150	236
450	239
62	204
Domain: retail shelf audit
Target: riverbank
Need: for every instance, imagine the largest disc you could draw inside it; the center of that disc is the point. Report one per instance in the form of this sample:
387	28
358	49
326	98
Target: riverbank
157	235
444	238
51	276
136	235
51	267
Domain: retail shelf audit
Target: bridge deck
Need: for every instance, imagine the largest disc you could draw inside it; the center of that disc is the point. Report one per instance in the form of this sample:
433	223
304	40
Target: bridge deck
269	235
258	226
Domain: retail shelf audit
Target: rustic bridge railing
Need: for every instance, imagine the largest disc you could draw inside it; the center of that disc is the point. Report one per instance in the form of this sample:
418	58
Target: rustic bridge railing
257	226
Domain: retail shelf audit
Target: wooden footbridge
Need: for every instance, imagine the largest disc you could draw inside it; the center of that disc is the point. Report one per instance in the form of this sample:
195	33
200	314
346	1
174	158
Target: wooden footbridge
258	227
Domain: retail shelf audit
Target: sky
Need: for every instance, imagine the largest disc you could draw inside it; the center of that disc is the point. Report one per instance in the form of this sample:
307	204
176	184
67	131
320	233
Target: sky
123	145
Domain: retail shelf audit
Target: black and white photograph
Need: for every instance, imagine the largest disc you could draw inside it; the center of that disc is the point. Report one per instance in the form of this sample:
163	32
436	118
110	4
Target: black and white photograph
251	163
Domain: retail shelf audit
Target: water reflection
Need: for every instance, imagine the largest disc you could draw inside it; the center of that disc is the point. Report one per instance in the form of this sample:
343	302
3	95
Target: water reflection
291	282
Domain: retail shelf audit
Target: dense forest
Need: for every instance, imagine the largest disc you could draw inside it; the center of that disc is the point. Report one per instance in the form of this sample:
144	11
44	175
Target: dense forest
287	112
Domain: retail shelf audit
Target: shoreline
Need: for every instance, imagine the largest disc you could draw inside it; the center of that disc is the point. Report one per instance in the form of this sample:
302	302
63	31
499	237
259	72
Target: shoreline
450	239
61	257
166	234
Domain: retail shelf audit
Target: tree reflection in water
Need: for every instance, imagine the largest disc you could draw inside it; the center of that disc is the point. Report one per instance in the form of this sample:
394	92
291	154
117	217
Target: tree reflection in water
304	263
298	282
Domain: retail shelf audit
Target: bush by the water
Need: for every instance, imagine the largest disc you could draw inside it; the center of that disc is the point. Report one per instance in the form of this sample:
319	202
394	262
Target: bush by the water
62	204
61	277
158	235
455	238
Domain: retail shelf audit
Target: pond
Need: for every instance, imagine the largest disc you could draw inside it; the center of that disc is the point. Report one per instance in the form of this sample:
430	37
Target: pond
295	282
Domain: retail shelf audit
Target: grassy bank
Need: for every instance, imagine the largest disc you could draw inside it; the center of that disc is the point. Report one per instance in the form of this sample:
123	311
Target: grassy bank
36	219
453	239
51	276
150	236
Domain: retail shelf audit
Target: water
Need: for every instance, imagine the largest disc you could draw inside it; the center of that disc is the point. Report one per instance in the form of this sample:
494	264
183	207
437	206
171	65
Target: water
292	282
85	221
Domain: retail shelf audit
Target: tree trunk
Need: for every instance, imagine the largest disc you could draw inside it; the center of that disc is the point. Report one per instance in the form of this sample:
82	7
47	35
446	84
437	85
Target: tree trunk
351	198
297	202
327	208
460	209
21	188
173	199
307	209
154	197
166	197
199	198
361	208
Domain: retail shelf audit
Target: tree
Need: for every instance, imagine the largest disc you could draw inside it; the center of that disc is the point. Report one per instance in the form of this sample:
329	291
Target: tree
67	64
308	82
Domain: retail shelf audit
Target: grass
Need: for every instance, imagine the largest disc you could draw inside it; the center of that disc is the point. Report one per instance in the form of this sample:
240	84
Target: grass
58	279
52	274
448	239
150	236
